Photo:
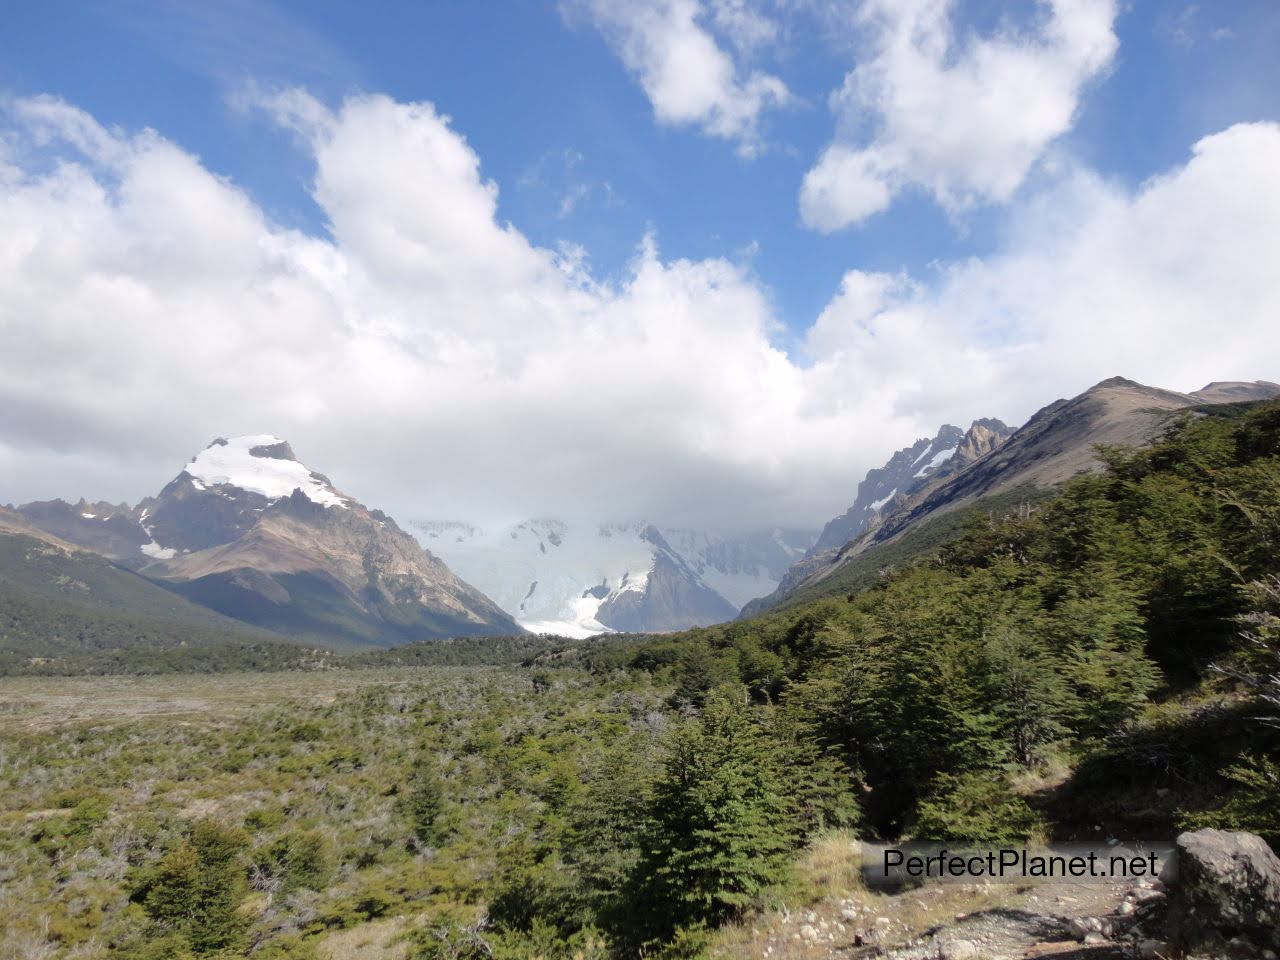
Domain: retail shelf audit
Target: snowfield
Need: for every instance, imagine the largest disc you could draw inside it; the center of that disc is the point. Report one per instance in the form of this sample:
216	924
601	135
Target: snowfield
939	458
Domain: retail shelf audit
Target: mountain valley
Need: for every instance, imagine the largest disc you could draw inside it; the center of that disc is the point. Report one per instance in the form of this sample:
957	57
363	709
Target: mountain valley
1086	656
249	533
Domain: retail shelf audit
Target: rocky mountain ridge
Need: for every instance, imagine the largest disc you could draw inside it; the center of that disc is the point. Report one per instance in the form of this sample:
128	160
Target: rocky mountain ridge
1056	443
907	470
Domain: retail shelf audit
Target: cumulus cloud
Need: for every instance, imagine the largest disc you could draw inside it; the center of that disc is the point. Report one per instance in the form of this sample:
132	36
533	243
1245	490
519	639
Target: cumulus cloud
689	78
744	24
422	352
1170	285
435	363
962	117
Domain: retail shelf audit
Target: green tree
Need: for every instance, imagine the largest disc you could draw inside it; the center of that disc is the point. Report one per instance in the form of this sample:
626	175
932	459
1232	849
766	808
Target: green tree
1029	695
423	803
299	860
912	702
1257	666
719	821
1098	625
197	886
601	842
976	807
698	671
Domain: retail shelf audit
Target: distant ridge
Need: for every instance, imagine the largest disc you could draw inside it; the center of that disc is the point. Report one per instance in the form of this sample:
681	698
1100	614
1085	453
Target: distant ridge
1057	443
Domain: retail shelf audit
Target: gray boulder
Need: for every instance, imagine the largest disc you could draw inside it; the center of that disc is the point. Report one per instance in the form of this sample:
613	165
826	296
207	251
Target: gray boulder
1228	886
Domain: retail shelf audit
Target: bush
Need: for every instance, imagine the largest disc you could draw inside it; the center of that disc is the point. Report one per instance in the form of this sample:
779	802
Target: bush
299	860
1254	803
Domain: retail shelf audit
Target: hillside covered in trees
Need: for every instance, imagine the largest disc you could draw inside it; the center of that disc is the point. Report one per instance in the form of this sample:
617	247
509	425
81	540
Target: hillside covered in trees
1100	663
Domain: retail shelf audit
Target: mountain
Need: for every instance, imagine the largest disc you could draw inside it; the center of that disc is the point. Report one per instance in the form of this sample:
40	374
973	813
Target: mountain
579	580
249	531
62	605
111	530
1057	443
1230	391
908	469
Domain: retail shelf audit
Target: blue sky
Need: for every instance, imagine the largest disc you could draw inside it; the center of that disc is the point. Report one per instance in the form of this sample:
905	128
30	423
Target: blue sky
866	218
569	136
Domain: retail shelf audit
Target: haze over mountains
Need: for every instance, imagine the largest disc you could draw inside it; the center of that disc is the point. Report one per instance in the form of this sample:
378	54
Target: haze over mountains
248	539
577	580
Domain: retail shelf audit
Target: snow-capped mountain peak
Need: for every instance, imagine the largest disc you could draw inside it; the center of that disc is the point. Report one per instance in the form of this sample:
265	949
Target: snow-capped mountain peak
906	469
262	464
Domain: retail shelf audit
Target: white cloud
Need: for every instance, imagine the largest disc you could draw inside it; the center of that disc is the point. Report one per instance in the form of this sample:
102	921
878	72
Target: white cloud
688	77
962	117
1172	285
744	25
435	363
423	353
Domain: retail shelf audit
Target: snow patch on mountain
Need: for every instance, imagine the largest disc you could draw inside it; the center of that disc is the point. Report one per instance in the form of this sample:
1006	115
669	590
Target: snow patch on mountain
255	463
157	552
939	458
633	583
877	504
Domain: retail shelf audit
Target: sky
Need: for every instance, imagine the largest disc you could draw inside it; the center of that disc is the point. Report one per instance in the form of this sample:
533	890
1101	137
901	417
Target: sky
694	262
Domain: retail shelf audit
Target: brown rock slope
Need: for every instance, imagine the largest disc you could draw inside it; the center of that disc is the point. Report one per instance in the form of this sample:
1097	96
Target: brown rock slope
337	573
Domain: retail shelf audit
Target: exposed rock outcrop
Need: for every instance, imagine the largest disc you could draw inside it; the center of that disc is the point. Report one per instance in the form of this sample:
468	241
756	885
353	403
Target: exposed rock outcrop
981	438
1228	889
905	470
670	597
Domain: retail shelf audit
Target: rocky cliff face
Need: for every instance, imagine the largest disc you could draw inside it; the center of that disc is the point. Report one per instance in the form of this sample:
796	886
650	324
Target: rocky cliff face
111	530
884	488
249	531
878	488
670	596
981	438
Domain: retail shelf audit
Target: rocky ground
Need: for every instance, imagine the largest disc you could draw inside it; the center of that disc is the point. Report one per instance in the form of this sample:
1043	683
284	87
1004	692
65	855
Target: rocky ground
1224	906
